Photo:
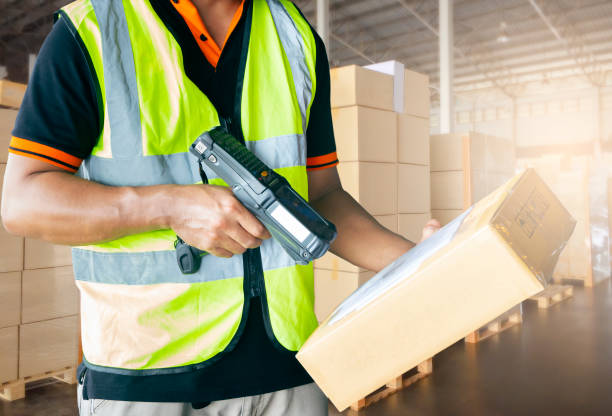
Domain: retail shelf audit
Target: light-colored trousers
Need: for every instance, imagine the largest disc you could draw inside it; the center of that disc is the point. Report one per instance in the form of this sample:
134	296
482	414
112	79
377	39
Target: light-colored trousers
306	400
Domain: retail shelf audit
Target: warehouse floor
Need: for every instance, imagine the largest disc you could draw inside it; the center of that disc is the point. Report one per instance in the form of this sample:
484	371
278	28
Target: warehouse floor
558	362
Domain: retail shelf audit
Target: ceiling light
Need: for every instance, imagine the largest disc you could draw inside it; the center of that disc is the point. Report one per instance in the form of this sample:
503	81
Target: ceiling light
503	34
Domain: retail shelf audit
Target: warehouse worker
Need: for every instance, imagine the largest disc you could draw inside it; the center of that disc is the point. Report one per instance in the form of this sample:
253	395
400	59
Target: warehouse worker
119	92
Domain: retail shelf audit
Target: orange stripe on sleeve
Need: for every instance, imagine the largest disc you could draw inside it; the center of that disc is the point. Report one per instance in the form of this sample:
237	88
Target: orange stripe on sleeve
331	165
322	160
45	153
42	159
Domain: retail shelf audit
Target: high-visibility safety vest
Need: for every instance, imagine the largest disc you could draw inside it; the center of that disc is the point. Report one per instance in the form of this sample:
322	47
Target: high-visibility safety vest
139	313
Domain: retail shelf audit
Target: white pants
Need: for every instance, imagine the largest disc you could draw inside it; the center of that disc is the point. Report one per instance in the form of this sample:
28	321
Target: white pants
306	400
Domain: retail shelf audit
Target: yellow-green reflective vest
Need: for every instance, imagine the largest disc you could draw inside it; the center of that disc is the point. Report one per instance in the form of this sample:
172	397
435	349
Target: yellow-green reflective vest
139	313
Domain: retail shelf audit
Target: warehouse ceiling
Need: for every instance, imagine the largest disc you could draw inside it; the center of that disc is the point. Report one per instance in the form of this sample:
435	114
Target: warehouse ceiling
501	46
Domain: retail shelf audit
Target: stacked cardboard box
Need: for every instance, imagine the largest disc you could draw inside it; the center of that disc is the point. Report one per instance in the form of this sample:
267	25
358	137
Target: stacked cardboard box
465	168
581	184
384	157
38	298
11	93
11	264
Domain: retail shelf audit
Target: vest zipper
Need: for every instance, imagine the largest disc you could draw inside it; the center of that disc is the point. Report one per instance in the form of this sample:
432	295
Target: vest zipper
253	274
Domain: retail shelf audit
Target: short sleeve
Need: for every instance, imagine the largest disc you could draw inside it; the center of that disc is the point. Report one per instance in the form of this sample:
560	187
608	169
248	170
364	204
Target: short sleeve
320	141
59	120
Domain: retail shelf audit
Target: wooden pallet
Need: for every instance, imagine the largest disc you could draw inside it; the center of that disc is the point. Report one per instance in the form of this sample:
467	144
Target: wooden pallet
15	390
498	325
410	377
553	294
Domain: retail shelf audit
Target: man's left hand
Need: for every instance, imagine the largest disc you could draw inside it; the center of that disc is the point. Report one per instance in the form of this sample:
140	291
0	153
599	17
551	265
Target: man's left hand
431	227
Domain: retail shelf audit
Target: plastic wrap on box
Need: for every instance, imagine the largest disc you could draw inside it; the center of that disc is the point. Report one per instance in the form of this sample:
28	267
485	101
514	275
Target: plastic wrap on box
489	259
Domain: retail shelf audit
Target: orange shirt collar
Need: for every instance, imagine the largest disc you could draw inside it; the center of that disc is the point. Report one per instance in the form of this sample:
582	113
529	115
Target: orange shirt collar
207	45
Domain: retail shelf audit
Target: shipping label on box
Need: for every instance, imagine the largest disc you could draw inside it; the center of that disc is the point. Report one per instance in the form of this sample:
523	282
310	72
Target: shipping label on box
492	257
354	85
48	345
10	299
365	134
9	349
414	186
49	293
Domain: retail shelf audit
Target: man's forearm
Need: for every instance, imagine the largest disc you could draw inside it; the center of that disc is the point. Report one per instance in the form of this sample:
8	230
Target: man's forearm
361	240
65	209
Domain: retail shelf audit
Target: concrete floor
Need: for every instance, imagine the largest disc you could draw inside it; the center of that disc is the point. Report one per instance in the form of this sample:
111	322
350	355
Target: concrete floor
559	362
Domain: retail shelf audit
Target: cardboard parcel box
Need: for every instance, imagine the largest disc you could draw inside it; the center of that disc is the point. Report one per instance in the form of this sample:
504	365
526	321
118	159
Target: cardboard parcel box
493	256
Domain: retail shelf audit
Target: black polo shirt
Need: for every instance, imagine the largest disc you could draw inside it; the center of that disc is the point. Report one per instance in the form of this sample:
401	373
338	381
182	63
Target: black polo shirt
60	121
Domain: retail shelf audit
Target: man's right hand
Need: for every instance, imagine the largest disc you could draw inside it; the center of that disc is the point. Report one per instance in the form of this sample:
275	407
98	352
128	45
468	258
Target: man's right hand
44	201
210	218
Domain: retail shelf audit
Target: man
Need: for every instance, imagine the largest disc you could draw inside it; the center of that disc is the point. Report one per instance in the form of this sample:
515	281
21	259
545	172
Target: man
119	92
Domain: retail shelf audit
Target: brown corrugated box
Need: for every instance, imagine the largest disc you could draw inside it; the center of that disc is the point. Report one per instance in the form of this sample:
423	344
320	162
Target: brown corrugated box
472	150
373	185
11	247
10	298
48	345
333	286
354	85
365	134
413	195
7	122
9	347
471	271
416	94
11	93
41	254
448	190
413	139
49	293
410	226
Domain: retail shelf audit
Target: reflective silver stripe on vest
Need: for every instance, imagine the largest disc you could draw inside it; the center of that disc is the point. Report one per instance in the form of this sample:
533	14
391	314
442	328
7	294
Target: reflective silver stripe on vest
120	79
281	151
149	268
178	168
182	168
292	42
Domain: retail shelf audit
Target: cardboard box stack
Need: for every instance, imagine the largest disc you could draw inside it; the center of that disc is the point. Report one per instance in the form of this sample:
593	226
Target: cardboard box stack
384	158
465	168
478	266
39	302
581	184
